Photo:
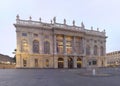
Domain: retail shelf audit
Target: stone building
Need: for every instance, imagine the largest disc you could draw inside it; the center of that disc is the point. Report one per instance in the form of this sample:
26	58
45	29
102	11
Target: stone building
55	45
113	58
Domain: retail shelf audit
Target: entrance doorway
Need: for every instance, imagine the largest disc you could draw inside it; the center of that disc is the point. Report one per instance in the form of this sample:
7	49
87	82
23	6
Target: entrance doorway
70	63
79	63
60	63
36	62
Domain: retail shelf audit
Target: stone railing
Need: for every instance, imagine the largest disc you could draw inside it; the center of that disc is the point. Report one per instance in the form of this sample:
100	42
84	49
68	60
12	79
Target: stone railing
58	25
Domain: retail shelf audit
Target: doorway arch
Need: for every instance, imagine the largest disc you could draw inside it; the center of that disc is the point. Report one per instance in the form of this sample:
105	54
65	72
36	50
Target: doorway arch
60	63
70	63
79	62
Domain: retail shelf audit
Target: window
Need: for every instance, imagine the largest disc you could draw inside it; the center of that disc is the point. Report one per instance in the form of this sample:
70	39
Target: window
24	46
101	51
35	35
35	46
24	34
95	50
94	62
88	50
46	47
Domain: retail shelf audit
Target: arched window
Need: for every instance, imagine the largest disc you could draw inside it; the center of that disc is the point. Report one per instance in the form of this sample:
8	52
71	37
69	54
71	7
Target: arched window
95	50
88	50
24	46
35	46
101	51
46	47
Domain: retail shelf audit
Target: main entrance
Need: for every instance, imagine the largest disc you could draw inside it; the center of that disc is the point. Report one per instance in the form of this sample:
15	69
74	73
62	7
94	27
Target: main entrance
70	63
79	63
60	63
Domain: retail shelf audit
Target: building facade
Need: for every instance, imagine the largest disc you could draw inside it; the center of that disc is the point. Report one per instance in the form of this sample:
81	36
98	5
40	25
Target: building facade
113	58
55	45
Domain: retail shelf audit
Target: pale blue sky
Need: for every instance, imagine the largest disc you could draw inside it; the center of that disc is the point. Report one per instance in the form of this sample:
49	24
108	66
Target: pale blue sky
102	14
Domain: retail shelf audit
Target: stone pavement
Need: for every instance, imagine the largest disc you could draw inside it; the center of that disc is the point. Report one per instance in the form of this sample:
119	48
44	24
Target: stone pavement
58	77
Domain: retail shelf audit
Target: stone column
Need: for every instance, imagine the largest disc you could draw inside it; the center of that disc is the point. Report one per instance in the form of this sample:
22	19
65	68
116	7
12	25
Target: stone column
30	42
18	64
64	44
65	62
99	51
84	45
41	43
92	47
84	62
74	46
75	62
55	62
55	45
18	42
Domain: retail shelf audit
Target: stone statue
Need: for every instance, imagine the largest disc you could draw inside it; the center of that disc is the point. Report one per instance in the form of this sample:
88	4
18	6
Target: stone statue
91	27
82	25
40	19
97	29
51	21
54	19
17	17
64	21
73	22
30	17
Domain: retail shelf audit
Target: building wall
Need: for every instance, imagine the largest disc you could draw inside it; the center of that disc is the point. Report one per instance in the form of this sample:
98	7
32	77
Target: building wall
113	58
71	52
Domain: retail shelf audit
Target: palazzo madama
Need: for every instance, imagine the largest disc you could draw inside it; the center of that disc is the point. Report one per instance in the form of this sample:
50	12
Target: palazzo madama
56	45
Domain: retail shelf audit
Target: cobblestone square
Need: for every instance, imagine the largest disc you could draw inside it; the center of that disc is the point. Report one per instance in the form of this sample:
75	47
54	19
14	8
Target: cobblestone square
58	77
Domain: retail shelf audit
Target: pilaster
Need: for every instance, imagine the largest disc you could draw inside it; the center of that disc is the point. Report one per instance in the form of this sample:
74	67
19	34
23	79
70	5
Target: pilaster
75	62
65	62
64	44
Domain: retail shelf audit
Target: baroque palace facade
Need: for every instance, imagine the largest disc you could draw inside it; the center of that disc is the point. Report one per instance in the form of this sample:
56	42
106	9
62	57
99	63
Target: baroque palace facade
55	45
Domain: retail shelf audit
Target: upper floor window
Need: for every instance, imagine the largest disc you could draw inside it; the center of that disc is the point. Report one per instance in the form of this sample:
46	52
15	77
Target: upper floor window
88	50
35	35
101	51
95	50
46	47
35	46
24	46
24	34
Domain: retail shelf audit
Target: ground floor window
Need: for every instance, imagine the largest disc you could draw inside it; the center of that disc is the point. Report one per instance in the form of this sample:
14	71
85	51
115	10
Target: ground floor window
92	62
24	63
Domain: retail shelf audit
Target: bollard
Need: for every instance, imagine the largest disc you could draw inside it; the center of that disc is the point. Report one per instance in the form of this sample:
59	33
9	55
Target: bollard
93	72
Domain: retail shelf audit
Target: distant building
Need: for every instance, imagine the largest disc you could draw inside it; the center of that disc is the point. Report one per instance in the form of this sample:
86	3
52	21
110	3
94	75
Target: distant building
55	45
4	59
113	58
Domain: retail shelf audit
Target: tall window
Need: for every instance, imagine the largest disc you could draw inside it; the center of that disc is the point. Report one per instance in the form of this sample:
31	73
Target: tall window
95	50
101	51
77	47
69	45
35	46
24	46
88	50
46	47
59	44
